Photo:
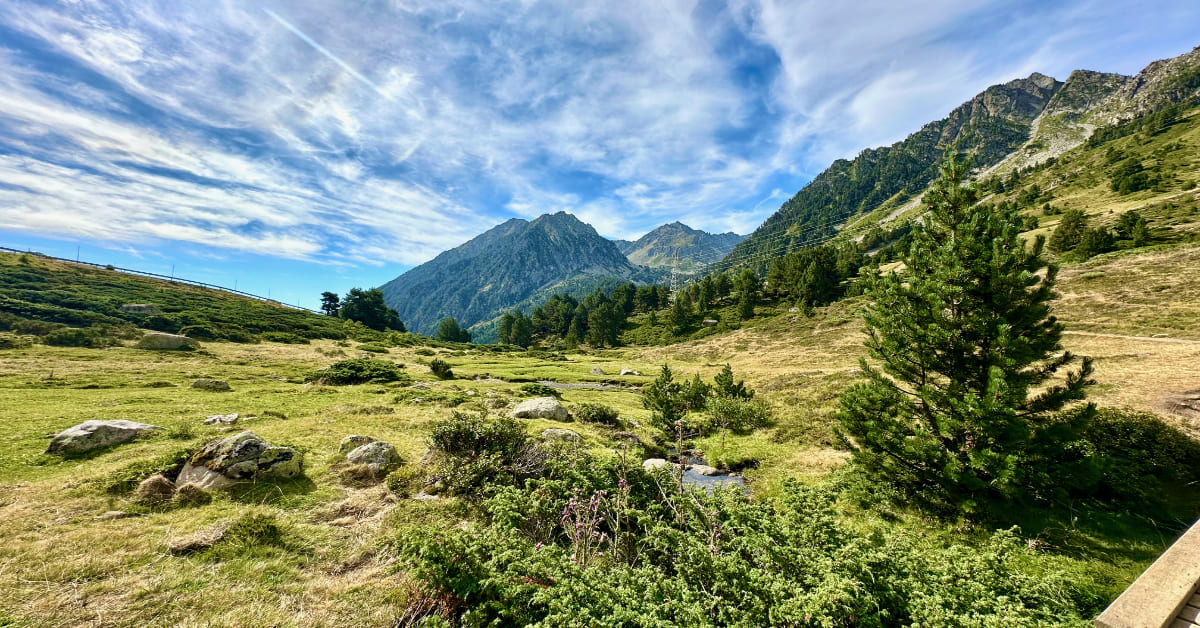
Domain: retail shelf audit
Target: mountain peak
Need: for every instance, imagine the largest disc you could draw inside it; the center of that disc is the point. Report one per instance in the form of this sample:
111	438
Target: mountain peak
674	241
505	266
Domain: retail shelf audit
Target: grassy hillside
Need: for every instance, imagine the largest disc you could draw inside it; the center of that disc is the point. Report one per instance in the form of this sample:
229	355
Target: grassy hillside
39	295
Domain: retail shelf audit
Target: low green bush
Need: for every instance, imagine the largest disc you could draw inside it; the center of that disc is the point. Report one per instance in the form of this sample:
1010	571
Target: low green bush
284	338
598	413
372	347
357	371
440	369
534	389
471	453
80	337
739	416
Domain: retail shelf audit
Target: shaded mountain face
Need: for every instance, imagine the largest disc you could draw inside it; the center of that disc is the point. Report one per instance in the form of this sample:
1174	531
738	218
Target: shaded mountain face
505	266
1013	125
692	247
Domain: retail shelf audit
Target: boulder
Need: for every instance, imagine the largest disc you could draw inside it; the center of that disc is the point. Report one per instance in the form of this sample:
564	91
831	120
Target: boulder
628	371
378	456
541	408
598	371
155	489
158	341
652	464
352	442
559	434
91	435
221	419
703	469
241	457
214	385
710	322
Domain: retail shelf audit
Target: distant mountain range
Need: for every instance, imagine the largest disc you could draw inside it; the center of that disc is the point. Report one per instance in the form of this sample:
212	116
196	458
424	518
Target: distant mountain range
678	243
1017	124
1014	125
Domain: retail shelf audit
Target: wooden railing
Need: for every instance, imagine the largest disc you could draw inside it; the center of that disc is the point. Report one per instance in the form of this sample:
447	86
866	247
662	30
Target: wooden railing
1164	596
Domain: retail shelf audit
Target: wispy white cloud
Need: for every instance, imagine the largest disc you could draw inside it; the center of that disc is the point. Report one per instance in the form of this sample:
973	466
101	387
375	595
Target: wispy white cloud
315	132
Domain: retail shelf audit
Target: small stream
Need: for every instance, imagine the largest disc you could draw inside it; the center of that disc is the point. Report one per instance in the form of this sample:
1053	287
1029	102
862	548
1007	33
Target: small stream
691	477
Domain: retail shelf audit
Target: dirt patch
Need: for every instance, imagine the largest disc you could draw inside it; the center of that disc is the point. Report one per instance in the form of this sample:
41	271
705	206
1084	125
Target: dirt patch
1185	404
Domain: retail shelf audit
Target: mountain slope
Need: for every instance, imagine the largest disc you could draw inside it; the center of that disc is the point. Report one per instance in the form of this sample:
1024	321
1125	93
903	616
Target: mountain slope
1015	125
660	247
989	126
505	266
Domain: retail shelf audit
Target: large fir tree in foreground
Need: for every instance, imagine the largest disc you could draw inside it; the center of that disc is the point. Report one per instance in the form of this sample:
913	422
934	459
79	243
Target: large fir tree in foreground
962	398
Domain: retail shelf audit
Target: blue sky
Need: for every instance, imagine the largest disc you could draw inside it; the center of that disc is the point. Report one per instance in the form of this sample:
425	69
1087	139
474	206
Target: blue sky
295	147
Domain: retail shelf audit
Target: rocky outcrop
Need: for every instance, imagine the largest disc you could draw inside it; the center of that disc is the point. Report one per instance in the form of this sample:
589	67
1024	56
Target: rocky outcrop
541	408
91	435
241	457
157	341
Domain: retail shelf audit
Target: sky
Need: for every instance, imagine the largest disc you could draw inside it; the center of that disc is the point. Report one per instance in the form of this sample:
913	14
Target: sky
296	147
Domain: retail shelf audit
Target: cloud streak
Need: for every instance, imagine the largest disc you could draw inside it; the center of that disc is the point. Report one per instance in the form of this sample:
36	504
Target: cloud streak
310	132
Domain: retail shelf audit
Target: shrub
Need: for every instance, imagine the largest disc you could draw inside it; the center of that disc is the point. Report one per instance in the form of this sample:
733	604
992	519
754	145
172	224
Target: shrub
357	371
199	332
372	347
284	337
79	337
739	416
425	352
722	559
440	369
472	452
598	413
13	341
534	389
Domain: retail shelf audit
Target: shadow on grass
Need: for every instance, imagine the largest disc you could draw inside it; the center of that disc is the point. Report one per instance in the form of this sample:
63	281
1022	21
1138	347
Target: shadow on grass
283	493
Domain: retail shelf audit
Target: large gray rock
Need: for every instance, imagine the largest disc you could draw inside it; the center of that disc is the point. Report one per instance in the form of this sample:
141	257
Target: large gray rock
241	457
214	385
655	463
703	469
221	419
378	456
158	341
559	434
541	408
629	371
91	435
352	442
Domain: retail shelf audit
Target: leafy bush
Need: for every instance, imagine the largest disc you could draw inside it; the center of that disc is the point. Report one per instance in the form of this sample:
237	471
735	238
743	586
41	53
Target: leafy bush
471	452
199	332
739	416
440	369
581	551
1143	460
534	389
425	352
79	337
372	347
446	398
284	337
13	341
357	371
598	413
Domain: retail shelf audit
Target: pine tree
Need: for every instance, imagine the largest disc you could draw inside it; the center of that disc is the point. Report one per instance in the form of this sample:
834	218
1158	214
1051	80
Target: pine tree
330	303
962	338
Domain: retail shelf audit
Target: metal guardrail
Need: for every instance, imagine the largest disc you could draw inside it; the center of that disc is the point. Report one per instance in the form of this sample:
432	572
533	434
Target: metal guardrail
171	278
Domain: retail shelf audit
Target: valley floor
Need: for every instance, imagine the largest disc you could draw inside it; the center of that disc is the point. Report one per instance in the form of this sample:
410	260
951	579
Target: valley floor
65	562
